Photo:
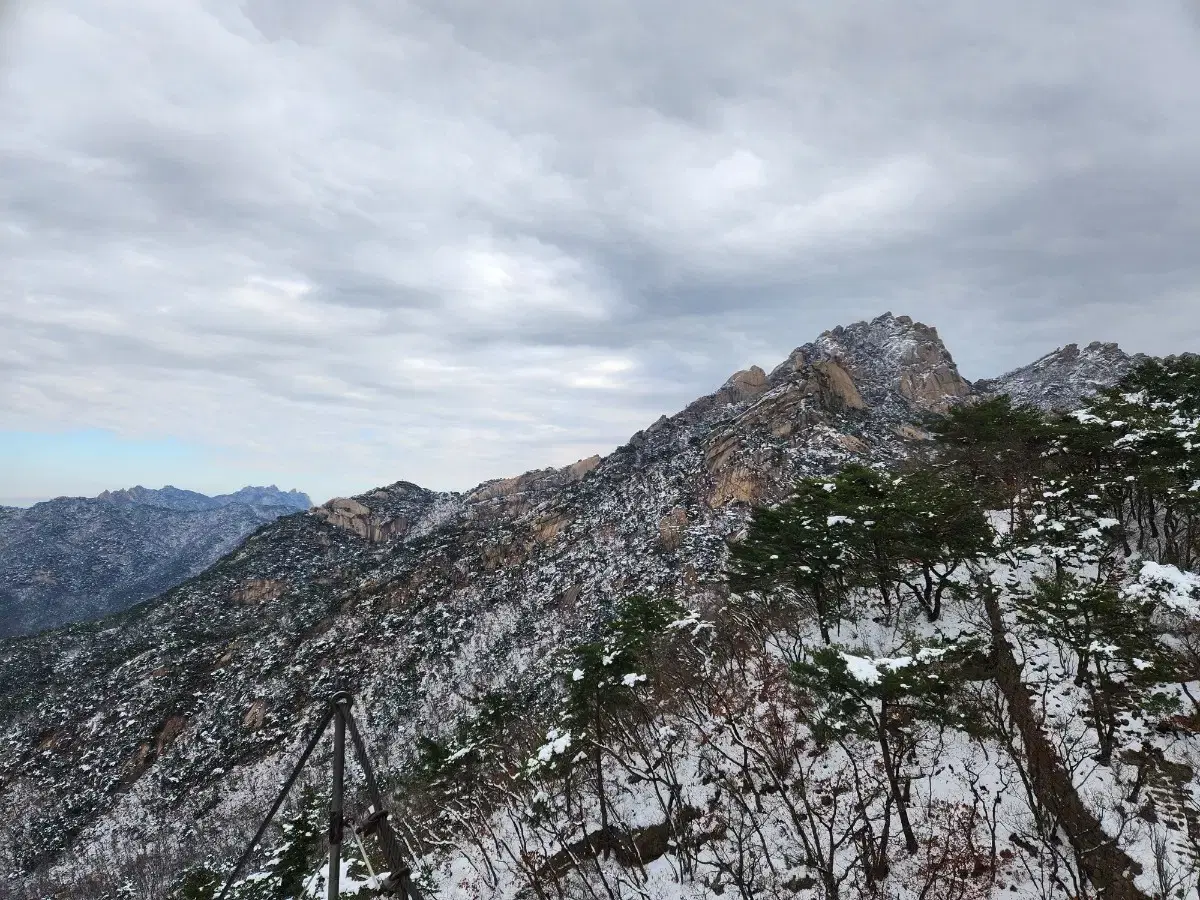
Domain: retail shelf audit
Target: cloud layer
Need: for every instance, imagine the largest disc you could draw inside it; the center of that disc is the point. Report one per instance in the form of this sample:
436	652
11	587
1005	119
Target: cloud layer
447	240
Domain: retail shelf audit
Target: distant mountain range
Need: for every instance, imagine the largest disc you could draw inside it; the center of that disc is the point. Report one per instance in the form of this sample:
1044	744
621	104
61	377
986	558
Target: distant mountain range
77	558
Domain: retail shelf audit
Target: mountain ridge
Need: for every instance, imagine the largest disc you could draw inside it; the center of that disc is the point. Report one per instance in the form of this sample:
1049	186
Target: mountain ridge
172	497
420	601
76	557
1060	378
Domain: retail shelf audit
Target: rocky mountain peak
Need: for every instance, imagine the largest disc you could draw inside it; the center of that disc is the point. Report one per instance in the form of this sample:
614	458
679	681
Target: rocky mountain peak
852	393
1062	378
894	353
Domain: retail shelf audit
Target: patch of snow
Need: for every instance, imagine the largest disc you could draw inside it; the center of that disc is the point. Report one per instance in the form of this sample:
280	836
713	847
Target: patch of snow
1178	590
348	885
860	669
556	744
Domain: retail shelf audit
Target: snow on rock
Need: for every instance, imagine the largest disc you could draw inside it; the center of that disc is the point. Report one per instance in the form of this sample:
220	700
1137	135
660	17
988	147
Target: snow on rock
1061	380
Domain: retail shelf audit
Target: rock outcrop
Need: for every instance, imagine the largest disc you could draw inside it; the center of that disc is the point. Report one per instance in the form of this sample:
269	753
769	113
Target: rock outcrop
382	515
1062	378
837	386
920	368
744	385
348	513
258	590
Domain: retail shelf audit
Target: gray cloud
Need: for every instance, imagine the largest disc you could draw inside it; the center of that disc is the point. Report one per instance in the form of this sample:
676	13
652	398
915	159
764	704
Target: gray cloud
452	240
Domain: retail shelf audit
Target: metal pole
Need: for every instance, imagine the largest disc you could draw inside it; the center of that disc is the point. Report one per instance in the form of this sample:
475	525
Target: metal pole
398	880
287	786
336	821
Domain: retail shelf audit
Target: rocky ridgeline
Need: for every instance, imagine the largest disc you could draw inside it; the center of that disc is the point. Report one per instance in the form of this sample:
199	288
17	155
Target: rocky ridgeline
77	558
188	708
1060	379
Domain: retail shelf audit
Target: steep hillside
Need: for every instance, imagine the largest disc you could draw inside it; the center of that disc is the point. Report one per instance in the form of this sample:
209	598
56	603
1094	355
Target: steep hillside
75	558
172	722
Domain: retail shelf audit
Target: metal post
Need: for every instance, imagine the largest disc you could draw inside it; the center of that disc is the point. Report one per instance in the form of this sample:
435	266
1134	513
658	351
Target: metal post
287	786
398	880
336	821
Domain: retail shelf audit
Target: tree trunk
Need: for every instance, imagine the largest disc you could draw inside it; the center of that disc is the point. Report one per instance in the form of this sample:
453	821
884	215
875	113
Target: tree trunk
822	615
1104	863
599	760
881	575
893	777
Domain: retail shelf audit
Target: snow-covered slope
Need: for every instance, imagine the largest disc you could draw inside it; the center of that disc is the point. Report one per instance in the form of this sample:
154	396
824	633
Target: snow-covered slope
77	558
1062	378
170	722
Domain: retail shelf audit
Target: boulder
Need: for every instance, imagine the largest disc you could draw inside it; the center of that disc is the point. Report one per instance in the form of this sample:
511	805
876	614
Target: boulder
258	590
743	386
839	387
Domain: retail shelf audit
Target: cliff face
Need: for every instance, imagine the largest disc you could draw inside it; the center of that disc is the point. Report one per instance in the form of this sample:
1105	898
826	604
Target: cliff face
75	558
421	601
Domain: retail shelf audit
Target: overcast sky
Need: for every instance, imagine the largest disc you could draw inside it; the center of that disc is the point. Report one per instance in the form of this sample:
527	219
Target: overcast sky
333	245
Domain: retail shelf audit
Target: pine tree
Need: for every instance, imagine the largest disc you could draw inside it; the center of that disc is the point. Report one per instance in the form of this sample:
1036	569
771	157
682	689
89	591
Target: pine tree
301	841
883	700
601	678
284	874
866	500
1067	525
1118	657
899	536
997	447
941	528
797	555
1137	446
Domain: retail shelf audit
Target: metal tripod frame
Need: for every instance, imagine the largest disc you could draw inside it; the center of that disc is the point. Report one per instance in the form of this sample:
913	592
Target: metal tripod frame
398	881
